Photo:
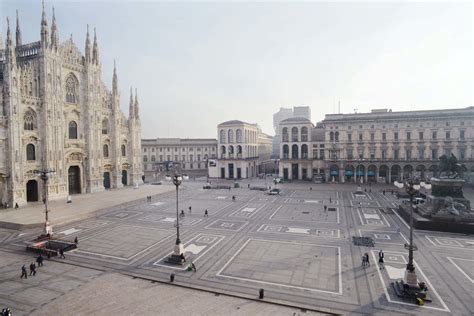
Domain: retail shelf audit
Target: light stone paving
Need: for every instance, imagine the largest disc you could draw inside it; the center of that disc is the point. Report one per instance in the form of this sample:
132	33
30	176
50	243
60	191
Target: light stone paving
299	254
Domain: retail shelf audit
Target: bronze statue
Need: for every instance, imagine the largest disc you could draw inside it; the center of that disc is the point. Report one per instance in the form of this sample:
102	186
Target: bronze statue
450	166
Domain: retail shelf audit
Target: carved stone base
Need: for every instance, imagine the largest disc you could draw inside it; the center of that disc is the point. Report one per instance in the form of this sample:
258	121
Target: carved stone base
410	278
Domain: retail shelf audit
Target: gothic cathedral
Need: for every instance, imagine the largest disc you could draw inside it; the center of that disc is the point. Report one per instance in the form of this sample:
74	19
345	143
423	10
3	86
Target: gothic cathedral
57	115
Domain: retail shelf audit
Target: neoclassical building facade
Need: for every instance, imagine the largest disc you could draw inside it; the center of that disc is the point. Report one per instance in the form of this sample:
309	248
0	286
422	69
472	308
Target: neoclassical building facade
239	147
191	154
57	114
380	146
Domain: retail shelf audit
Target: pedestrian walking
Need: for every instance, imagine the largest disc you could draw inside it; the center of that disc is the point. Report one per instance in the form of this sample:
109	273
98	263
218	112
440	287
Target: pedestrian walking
190	209
23	272
193	266
364	261
32	269
325	208
76	241
39	260
182	257
330	200
16	205
367	262
61	254
381	262
205	213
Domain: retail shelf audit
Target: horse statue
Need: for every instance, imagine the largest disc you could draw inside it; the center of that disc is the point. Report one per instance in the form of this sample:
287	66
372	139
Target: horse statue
450	167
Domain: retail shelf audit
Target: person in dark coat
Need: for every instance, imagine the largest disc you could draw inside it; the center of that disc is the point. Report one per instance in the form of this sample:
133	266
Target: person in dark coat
205	213
32	269
61	254
23	272
381	262
76	241
39	260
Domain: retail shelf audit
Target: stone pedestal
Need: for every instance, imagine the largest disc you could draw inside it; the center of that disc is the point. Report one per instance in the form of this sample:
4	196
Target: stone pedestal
410	278
178	249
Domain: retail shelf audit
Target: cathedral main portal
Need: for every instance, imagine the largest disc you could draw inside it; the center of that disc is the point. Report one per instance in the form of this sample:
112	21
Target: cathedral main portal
74	176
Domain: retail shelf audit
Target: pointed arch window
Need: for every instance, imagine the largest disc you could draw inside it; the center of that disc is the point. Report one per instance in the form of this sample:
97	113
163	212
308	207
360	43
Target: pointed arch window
72	89
123	151
30	152
72	130
30	122
105	127
106	151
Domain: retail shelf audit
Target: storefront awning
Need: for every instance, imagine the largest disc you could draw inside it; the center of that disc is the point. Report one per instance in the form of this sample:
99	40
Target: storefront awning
370	173
349	173
334	172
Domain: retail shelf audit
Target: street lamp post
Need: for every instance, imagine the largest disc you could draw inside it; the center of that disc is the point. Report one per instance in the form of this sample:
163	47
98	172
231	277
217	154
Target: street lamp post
45	175
412	187
177	255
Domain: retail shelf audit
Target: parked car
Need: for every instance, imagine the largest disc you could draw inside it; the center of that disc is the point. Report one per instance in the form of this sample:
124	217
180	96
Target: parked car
274	191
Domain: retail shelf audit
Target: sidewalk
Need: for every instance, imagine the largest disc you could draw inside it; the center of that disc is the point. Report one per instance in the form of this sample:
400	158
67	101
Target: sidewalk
82	206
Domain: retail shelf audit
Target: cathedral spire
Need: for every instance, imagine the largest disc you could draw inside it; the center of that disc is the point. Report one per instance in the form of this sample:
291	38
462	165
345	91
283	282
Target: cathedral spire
115	81
44	28
18	31
88	46
95	51
54	33
137	114
10	48
131	109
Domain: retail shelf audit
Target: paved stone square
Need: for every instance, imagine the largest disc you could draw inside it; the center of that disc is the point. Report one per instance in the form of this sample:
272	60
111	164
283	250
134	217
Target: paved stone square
300	254
292	265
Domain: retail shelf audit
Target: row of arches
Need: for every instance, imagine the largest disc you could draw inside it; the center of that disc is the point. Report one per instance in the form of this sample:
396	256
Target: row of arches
295	153
374	173
250	136
295	136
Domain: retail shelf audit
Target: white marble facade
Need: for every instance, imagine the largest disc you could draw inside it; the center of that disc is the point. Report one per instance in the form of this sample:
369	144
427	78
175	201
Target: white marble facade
57	114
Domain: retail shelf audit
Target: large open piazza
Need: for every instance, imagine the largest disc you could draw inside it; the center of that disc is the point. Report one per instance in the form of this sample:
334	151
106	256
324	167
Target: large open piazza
292	246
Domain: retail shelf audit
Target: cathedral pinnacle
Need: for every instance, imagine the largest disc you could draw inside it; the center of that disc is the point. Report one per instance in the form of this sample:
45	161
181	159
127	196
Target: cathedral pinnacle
95	50
9	34
115	81
88	46
131	109
10	49
54	33
44	28
137	114
18	31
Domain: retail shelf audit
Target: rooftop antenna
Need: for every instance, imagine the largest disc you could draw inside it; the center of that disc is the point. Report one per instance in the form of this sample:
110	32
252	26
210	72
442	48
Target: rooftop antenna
339	106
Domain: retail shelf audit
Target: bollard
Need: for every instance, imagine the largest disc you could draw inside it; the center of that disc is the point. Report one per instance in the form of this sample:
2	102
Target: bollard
260	294
172	277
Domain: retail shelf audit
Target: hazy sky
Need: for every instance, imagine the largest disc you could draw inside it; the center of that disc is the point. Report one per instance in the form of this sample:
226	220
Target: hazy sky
197	64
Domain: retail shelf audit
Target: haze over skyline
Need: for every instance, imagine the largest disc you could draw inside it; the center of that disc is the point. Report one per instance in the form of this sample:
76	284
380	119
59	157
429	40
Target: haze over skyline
196	65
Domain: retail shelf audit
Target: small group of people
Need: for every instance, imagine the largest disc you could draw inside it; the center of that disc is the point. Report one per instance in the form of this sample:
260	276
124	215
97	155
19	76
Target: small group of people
6	312
365	260
148	198
24	272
